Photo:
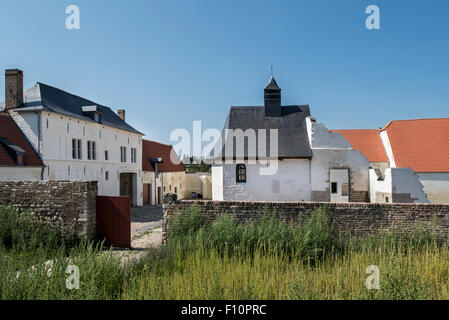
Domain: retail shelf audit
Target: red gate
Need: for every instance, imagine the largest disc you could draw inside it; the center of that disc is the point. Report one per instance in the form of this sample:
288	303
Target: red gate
114	220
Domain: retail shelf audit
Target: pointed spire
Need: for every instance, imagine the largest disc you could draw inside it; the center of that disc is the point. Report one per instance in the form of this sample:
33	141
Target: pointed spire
272	84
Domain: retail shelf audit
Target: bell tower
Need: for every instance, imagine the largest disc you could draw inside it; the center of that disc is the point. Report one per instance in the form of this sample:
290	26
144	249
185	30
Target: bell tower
272	97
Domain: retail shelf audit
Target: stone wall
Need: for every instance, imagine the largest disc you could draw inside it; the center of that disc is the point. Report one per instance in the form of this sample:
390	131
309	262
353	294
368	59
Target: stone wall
357	218
68	203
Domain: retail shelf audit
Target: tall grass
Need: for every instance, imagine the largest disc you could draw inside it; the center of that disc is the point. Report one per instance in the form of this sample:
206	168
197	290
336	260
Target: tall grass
308	239
23	231
34	256
267	259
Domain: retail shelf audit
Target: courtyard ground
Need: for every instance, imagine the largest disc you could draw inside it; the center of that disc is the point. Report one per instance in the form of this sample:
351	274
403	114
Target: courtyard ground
146	232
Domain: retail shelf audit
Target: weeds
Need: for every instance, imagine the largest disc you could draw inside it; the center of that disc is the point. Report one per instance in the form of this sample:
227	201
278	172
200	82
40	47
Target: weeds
267	259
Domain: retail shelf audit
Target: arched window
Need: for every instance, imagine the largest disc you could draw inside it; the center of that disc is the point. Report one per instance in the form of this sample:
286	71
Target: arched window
241	173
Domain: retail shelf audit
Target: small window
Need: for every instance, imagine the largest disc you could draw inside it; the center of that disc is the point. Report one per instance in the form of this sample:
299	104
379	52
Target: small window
334	187
387	199
47	123
76	149
241	173
107	175
123	154
80	147
169	188
133	155
345	190
106	155
176	190
91	150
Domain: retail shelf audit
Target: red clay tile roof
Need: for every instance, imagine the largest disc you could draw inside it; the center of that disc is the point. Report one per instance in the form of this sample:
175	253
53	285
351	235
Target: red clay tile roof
10	131
367	141
152	149
422	144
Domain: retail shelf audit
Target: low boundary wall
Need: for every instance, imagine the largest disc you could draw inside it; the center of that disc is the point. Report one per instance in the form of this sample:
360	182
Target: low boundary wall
70	203
356	218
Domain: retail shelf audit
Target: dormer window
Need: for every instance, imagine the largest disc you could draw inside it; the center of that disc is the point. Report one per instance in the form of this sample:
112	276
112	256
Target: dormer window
93	112
16	152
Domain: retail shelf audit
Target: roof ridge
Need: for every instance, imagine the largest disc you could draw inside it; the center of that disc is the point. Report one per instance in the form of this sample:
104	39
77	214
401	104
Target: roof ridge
75	95
354	130
163	144
407	120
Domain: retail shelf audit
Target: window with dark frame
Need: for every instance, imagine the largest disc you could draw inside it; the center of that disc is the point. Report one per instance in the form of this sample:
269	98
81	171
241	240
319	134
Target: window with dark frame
334	187
241	173
76	149
80	147
94	150
106	155
122	154
133	155
91	150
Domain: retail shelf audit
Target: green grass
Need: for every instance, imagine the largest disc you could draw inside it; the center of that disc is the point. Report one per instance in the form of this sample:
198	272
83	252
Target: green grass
269	259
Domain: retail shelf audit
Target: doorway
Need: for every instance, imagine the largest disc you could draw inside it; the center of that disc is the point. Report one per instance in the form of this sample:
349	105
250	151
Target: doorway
339	185
128	186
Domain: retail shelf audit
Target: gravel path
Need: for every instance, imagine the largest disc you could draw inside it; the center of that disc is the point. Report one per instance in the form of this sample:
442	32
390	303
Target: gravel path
146	232
146	226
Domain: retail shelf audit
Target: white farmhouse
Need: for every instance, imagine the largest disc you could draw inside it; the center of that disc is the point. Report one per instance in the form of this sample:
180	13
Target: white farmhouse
77	139
280	153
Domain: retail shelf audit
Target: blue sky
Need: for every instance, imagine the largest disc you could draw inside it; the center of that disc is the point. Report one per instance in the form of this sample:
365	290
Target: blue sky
171	62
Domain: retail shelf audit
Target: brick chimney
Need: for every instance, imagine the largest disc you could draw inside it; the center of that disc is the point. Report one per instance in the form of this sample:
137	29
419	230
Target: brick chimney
121	114
13	88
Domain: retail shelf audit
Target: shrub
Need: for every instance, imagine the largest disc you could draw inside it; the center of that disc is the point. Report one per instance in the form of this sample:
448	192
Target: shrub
186	223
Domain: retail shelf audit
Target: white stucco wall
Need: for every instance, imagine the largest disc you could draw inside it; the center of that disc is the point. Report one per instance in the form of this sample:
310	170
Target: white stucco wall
436	186
332	151
291	182
55	147
325	159
380	190
397	181
18	173
387	146
217	182
321	138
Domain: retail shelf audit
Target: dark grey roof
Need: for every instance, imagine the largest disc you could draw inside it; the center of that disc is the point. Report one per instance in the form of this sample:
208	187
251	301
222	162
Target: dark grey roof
272	84
293	140
59	101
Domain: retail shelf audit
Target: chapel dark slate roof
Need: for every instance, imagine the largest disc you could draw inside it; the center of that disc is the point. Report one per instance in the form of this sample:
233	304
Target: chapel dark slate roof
62	102
293	140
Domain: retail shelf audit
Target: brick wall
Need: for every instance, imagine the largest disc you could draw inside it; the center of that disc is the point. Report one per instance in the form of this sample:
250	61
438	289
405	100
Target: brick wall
70	203
357	218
